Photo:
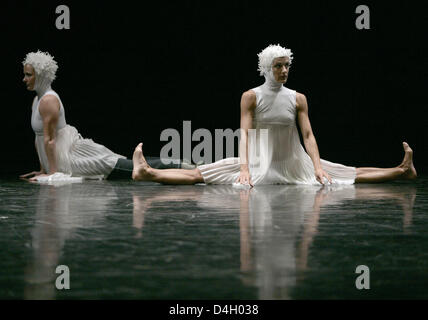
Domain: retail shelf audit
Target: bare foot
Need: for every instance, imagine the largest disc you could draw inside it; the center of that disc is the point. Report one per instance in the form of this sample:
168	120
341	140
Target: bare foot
141	171
407	164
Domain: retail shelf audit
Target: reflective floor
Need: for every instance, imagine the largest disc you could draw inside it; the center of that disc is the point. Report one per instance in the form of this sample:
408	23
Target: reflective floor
127	240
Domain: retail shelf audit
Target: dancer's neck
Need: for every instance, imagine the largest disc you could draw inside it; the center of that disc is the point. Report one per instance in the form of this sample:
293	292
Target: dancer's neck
271	83
41	91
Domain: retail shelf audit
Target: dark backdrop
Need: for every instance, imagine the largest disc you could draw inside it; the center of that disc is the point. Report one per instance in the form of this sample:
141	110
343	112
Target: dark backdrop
128	70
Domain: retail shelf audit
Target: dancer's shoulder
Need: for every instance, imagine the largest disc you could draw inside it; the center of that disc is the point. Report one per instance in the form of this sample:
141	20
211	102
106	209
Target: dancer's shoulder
49	103
49	99
251	93
300	96
301	102
249	99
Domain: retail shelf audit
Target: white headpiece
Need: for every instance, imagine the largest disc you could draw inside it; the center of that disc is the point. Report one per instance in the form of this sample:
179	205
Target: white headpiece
43	63
45	67
268	54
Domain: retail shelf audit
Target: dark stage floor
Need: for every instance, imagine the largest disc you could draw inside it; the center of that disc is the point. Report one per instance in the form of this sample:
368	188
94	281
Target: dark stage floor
127	240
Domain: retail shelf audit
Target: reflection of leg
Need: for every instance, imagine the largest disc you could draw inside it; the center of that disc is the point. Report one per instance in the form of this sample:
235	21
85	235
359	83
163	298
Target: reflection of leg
143	172
310	229
408	212
380	192
138	214
404	171
403	195
244	230
141	204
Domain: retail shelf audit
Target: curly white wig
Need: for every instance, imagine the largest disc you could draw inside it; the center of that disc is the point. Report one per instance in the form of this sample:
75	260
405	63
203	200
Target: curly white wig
43	64
268	54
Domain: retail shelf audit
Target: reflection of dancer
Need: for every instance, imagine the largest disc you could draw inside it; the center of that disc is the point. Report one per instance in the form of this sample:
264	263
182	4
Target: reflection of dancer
60	212
282	159
59	146
270	224
277	224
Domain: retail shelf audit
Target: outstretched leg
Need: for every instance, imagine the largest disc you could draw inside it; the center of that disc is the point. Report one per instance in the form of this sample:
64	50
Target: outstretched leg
143	172
404	171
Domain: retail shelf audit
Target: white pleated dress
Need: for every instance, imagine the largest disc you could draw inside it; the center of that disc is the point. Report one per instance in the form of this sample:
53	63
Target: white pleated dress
275	153
75	155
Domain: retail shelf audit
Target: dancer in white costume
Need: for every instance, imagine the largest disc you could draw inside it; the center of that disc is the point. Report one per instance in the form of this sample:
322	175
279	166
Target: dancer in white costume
61	149
281	158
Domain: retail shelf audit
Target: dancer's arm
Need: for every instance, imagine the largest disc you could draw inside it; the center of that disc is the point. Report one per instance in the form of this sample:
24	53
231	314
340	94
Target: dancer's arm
308	137
42	170
49	110
248	105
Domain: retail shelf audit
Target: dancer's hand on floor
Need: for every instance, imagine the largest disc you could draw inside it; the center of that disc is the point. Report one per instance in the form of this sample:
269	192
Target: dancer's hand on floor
320	174
244	178
30	175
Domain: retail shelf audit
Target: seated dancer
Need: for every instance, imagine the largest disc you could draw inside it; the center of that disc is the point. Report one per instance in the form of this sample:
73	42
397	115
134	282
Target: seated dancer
59	146
281	158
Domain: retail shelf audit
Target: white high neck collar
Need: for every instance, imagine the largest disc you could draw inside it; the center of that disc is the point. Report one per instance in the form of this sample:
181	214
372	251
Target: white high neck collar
271	83
42	86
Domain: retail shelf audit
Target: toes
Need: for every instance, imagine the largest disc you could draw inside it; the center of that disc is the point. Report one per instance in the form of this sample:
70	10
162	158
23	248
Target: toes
407	147
138	148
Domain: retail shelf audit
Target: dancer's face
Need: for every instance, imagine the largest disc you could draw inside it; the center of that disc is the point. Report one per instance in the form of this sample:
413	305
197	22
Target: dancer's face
280	68
29	77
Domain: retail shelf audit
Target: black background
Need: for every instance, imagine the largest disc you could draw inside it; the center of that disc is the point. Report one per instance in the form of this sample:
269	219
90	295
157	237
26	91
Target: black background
128	70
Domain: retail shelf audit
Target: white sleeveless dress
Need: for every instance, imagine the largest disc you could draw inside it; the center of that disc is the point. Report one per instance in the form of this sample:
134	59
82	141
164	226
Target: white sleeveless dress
75	155
275	154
